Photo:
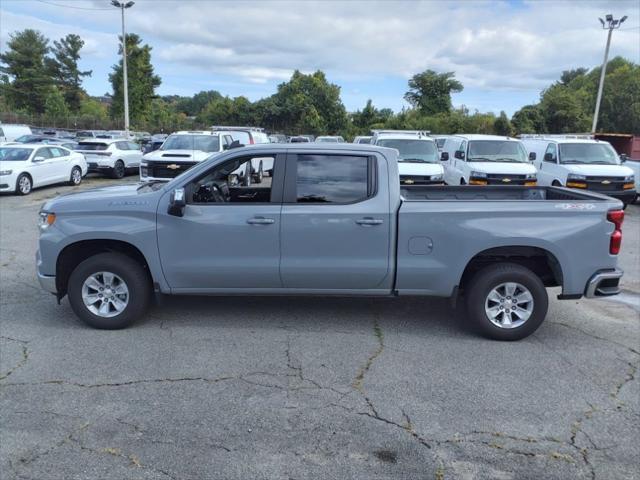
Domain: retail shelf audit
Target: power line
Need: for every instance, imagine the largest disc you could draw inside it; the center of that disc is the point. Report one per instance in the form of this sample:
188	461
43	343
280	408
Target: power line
72	6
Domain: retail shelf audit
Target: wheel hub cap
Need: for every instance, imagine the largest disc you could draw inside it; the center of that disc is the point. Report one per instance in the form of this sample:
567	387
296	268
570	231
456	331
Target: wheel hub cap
509	305
105	294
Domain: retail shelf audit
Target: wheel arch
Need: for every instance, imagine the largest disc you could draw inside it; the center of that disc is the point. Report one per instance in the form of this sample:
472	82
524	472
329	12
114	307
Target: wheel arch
75	253
539	260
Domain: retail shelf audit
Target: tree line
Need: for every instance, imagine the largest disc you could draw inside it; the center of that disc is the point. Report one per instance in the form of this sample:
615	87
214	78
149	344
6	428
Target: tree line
46	80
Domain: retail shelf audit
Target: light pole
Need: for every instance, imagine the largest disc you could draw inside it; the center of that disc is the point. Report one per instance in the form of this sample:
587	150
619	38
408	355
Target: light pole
610	25
122	6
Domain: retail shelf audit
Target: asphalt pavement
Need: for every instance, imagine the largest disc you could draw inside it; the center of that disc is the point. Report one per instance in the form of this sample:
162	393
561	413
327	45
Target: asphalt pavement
308	388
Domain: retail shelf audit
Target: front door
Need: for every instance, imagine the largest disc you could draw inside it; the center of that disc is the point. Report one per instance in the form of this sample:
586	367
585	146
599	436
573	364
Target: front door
336	225
229	236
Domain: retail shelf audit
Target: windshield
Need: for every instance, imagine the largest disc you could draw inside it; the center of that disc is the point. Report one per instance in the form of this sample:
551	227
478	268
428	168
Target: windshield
84	134
591	153
92	146
496	151
26	138
15	154
327	140
421	151
204	143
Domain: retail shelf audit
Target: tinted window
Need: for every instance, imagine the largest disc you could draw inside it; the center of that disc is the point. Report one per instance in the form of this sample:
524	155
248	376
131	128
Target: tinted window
92	146
332	178
133	146
122	145
43	152
9	154
204	143
496	151
593	153
412	151
552	150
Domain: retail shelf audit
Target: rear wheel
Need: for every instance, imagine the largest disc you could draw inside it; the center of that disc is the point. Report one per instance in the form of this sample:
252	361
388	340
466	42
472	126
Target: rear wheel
109	291
462	182
556	183
76	176
23	184
506	301
119	170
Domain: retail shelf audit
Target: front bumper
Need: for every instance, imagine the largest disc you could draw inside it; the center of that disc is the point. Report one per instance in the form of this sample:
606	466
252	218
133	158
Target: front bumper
626	196
48	283
604	283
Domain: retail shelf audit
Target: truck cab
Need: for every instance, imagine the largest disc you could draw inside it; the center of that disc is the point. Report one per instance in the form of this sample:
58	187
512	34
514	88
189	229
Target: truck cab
181	151
486	160
417	155
583	163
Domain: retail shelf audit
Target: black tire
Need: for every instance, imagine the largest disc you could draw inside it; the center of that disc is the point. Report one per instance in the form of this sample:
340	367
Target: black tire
556	183
493	276
119	170
462	182
257	177
76	176
135	277
28	184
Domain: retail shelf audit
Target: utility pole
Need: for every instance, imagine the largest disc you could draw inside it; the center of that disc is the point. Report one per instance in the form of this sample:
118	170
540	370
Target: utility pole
610	25
122	6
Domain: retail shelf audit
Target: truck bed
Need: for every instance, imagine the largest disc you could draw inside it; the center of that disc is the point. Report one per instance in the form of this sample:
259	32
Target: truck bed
495	193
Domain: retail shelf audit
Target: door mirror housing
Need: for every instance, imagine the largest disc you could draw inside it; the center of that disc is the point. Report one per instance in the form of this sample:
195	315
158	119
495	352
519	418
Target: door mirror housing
459	155
39	159
532	156
177	203
624	157
548	157
235	144
444	157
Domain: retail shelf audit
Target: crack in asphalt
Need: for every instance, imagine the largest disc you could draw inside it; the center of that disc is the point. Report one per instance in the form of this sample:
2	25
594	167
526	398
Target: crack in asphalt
588	334
23	360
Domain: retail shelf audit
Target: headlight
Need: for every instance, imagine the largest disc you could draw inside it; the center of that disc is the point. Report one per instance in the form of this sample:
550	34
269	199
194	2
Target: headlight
45	220
5	172
144	164
575	176
531	176
628	179
436	178
478	175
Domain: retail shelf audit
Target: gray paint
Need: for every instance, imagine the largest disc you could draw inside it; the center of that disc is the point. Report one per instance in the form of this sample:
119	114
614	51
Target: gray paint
319	249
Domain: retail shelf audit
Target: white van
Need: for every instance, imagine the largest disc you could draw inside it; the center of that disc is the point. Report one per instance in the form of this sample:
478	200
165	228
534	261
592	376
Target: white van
417	155
486	160
10	131
583	163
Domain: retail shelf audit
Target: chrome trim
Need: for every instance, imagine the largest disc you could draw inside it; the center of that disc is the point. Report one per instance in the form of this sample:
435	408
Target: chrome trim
48	283
594	282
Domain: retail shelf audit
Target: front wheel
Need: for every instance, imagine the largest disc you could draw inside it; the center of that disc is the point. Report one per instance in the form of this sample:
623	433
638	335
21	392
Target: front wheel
506	301
23	184
109	291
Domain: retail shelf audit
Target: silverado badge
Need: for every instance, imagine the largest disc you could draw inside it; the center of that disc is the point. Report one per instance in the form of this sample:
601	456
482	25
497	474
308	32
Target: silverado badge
173	166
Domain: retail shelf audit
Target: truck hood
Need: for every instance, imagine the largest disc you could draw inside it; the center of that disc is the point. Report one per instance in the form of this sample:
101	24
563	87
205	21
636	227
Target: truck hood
502	167
599	170
176	156
409	168
103	199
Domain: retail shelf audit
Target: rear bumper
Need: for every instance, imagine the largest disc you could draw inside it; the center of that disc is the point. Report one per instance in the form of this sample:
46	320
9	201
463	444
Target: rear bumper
604	284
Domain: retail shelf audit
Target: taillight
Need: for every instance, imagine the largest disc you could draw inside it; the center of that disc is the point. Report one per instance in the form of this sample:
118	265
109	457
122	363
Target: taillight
616	217
251	142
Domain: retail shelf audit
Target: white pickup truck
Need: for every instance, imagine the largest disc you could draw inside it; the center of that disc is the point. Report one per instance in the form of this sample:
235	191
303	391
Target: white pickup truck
417	156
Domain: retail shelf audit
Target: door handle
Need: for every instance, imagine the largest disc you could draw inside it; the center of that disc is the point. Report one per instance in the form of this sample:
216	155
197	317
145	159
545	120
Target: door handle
369	221
260	221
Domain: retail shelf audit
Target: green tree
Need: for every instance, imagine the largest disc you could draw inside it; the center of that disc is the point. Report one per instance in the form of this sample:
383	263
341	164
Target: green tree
569	75
65	71
93	109
55	108
529	119
142	82
502	125
430	92
192	106
23	62
563	111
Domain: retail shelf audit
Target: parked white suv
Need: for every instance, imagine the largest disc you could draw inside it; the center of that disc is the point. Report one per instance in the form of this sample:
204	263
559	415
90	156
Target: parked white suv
583	163
27	166
181	151
486	160
114	156
417	156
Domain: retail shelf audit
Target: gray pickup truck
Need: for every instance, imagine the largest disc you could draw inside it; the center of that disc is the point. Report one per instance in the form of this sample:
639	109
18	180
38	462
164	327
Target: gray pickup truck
331	220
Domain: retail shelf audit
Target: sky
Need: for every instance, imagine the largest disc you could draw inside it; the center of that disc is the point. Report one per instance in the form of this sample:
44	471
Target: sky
504	52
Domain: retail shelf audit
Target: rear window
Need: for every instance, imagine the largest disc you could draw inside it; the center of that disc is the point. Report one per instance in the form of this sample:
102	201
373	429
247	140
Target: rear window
92	146
332	179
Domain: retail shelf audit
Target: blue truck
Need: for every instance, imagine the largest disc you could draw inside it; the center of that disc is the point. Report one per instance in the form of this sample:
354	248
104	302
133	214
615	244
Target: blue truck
331	220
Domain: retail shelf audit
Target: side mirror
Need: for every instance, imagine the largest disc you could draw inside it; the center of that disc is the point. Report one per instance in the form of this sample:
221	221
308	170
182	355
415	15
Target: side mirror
444	156
225	146
177	203
532	156
235	144
624	157
548	157
459	155
39	159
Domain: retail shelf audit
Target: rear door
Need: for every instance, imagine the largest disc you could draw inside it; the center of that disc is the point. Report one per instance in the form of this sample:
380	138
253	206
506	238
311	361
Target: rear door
335	222
59	163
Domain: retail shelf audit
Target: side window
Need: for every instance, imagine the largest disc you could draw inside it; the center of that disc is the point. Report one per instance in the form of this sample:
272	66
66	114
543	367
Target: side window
228	140
333	178
237	181
462	148
56	152
550	154
43	152
133	146
122	146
